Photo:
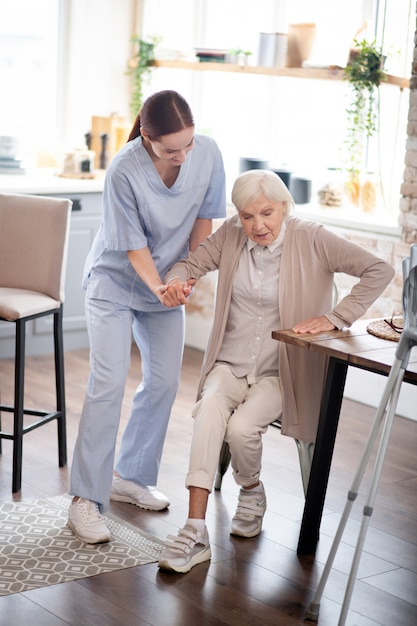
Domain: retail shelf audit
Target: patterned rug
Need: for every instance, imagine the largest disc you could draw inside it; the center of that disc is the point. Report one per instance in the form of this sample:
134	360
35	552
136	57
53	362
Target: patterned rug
38	549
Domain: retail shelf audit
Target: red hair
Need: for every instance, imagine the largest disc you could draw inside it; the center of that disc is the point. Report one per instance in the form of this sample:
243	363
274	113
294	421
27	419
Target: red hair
163	113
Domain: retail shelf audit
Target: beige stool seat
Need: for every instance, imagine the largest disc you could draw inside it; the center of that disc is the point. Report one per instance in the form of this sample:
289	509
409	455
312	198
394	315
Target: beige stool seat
16	303
34	234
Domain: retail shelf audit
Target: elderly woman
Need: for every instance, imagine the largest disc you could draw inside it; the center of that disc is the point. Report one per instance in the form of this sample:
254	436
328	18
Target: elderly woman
275	271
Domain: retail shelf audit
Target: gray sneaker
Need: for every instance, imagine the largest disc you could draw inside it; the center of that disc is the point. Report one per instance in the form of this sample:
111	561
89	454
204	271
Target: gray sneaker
144	497
187	549
251	507
86	522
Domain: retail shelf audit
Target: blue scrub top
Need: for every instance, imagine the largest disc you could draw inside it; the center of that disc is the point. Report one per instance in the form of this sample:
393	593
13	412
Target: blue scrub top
139	211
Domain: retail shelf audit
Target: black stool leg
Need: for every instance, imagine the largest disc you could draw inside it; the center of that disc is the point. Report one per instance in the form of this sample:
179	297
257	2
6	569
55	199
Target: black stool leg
19	392
60	387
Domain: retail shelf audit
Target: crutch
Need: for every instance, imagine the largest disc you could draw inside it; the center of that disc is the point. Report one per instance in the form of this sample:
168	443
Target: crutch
385	413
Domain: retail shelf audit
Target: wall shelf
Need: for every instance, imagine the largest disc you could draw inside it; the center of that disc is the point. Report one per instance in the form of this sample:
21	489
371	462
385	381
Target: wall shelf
331	73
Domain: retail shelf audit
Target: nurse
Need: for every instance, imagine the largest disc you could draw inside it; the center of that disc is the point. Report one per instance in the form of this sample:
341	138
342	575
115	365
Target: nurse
161	192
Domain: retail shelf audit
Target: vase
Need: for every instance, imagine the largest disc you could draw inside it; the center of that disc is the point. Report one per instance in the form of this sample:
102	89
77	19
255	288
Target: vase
370	192
332	193
353	189
272	49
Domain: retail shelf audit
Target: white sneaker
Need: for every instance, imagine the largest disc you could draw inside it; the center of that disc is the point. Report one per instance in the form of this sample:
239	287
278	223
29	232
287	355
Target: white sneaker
144	497
187	549
86	522
251	507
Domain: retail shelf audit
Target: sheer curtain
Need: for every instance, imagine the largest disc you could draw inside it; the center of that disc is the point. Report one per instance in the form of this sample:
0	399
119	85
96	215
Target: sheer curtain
29	33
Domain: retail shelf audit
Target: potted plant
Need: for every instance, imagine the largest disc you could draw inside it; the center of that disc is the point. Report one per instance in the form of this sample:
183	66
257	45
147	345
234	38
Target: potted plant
238	56
139	67
364	74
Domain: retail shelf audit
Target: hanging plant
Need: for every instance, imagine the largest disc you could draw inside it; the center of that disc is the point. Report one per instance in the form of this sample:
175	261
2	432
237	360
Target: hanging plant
364	73
139	67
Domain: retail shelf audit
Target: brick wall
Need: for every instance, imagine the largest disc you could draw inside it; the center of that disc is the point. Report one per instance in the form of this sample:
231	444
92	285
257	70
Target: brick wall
391	250
408	201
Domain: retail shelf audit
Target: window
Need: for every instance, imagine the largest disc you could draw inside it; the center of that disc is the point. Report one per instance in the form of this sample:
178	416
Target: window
298	123
29	71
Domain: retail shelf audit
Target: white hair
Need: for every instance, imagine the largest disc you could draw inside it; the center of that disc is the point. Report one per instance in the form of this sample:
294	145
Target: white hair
253	183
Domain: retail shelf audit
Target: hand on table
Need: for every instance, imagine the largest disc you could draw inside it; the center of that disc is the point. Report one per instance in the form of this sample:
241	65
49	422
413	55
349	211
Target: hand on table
313	325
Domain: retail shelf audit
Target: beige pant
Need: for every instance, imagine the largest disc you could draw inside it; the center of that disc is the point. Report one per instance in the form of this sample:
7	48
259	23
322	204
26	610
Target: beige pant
230	409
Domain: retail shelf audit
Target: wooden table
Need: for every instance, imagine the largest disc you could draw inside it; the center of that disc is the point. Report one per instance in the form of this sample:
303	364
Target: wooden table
353	347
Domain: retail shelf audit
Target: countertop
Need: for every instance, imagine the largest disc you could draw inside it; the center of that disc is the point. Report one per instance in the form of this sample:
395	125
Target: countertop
379	222
46	181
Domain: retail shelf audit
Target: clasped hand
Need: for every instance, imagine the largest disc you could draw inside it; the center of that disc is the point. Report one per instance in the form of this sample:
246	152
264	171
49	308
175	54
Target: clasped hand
174	294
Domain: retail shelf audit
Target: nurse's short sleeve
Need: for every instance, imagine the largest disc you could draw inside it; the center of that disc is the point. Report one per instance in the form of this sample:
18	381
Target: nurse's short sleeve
122	223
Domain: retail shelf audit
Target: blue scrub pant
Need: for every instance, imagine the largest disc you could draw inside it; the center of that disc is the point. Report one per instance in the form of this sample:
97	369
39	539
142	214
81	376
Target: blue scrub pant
160	339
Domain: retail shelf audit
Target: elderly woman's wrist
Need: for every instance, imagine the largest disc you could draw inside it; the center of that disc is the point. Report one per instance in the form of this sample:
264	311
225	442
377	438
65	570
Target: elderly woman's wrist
173	281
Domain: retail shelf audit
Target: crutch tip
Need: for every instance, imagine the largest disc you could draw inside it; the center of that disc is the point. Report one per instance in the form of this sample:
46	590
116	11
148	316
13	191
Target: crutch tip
313	611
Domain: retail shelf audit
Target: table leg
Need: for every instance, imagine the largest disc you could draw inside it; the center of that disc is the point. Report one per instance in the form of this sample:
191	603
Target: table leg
323	452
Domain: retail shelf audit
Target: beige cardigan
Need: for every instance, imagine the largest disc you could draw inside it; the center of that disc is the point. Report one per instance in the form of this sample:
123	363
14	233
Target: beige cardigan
311	255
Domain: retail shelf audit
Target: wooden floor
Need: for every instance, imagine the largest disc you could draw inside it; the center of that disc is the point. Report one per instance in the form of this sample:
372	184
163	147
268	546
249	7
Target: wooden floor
256	582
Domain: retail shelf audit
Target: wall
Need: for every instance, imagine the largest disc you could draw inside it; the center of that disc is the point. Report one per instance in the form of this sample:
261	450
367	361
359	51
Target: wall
392	250
408	202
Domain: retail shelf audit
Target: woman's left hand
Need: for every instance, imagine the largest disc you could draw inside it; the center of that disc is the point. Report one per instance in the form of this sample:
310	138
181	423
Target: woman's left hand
313	325
176	294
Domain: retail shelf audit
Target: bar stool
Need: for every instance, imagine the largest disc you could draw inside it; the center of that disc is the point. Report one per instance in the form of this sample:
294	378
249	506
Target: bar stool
34	234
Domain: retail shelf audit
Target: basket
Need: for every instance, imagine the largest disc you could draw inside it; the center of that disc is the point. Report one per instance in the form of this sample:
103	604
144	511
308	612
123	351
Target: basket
387	328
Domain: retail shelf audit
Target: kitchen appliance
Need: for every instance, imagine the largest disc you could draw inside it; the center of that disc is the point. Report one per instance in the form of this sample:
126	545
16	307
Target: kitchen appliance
252	164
